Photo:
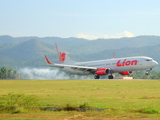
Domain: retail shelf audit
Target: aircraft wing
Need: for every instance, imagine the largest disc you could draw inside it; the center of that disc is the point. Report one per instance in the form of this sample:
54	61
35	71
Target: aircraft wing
71	66
82	68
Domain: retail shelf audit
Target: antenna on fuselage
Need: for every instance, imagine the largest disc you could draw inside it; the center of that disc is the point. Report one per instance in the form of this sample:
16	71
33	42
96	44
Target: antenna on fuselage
114	55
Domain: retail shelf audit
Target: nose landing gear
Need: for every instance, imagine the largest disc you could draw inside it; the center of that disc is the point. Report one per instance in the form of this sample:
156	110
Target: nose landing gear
148	71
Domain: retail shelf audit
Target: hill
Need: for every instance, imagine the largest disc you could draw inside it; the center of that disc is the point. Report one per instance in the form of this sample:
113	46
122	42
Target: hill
103	44
29	51
10	41
83	46
150	51
24	53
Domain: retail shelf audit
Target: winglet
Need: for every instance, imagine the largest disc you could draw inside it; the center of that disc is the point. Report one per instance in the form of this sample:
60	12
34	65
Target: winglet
47	60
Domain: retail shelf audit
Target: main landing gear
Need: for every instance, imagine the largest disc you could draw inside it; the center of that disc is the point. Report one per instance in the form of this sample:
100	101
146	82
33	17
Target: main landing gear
96	77
109	77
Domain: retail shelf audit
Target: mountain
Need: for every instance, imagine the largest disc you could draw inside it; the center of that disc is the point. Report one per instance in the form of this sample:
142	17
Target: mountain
31	50
150	51
102	44
48	41
84	46
6	39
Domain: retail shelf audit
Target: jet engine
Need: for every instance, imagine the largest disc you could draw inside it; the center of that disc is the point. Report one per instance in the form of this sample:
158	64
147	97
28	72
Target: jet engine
126	73
102	71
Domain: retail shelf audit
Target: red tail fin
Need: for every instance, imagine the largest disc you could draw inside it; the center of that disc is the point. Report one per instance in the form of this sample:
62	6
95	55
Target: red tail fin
63	56
47	60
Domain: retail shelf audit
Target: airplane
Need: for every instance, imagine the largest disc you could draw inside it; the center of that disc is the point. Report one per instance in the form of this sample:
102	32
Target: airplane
123	66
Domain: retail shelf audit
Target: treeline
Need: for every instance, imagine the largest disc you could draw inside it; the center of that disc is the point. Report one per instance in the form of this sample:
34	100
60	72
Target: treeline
6	73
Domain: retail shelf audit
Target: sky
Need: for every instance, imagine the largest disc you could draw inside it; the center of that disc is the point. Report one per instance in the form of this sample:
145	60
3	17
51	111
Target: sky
89	19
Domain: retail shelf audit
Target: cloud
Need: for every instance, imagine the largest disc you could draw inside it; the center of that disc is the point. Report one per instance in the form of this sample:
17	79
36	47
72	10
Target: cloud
86	36
117	35
128	34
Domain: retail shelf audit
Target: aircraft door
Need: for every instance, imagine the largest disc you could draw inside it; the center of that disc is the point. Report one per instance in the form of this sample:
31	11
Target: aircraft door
140	62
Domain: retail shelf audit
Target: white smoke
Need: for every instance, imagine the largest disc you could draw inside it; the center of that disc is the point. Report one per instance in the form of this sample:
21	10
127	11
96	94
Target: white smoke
41	73
46	73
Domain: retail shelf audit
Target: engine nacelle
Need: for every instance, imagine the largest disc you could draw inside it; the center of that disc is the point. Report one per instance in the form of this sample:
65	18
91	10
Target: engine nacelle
102	71
126	73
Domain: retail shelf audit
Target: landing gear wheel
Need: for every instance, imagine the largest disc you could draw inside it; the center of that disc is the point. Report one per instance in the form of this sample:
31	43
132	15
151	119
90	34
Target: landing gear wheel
147	73
110	77
96	77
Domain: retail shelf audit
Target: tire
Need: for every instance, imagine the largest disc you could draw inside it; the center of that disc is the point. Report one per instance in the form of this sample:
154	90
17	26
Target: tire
147	73
110	77
96	77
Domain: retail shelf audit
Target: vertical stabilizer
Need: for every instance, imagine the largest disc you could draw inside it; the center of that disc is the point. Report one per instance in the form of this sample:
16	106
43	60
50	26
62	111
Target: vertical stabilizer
63	55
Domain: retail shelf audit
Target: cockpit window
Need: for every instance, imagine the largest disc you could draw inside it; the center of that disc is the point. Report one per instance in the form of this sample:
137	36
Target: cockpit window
149	59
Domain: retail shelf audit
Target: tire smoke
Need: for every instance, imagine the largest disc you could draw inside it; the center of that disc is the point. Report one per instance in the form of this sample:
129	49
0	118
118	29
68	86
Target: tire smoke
41	73
46	73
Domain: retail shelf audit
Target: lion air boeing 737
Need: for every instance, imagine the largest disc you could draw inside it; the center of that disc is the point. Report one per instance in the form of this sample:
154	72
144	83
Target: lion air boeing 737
123	66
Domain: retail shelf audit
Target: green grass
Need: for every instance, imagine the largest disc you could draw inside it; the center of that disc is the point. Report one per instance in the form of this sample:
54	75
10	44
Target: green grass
136	98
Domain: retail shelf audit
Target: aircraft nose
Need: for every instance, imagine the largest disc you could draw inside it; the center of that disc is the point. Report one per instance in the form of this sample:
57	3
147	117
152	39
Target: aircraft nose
155	63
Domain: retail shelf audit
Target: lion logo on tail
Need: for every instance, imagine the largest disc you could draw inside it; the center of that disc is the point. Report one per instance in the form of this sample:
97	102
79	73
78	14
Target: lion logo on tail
62	57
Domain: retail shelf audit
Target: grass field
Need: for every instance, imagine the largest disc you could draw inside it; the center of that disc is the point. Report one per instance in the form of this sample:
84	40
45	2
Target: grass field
121	99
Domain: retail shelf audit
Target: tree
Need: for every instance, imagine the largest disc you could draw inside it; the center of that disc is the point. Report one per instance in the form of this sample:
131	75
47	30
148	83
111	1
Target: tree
3	73
7	73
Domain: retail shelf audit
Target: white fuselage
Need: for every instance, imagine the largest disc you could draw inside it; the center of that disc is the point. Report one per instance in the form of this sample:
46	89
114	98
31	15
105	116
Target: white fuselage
115	65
